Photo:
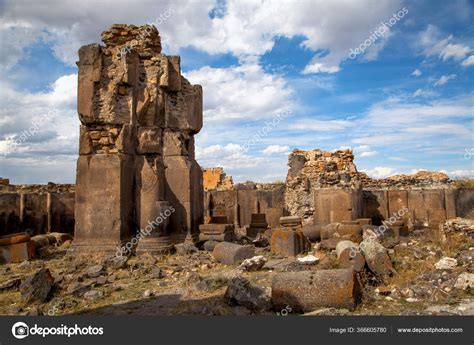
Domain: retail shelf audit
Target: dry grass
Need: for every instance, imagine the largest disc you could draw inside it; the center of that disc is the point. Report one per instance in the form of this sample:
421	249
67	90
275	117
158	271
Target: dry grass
464	183
455	243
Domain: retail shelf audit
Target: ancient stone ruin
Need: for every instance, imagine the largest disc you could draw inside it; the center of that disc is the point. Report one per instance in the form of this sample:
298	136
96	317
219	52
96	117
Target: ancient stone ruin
138	119
326	241
216	178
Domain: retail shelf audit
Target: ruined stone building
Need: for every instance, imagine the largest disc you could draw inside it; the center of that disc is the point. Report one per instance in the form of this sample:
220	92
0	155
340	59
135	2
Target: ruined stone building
324	187
138	119
137	171
216	178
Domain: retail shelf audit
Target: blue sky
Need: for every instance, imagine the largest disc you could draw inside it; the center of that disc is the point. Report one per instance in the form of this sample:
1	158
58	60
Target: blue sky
404	104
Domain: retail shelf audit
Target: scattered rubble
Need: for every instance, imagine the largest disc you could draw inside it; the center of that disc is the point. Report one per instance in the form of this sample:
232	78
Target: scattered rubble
446	264
308	260
241	291
465	281
253	264
36	287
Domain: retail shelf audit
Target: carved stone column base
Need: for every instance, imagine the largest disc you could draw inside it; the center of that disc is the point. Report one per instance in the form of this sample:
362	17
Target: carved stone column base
155	245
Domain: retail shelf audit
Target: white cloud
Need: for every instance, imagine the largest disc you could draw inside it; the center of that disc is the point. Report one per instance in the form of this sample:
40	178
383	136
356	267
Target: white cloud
433	44
416	73
380	172
364	151
14	37
241	92
455	51
272	149
311	124
367	154
461	173
444	79
55	140
413	126
468	62
241	165
424	93
244	29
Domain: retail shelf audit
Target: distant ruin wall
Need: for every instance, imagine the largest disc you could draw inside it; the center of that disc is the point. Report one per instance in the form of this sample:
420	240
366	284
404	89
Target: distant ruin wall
36	213
216	178
315	169
239	204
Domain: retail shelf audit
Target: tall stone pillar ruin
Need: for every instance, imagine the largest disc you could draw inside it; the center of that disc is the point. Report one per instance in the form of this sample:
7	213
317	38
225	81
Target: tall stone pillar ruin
136	158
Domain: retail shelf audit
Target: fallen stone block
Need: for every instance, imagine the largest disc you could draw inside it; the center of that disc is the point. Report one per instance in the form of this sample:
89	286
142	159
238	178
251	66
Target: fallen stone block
348	230
376	257
328	230
253	264
290	221
14	238
312	232
37	286
288	242
40	241
226	237
216	229
17	252
378	232
185	248
330	243
349	255
209	245
240	291
352	228
309	290
231	253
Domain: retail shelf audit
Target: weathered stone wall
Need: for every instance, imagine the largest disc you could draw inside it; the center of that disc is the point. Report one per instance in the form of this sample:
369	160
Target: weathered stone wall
311	170
308	170
138	119
425	206
36	213
216	178
239	204
336	205
465	202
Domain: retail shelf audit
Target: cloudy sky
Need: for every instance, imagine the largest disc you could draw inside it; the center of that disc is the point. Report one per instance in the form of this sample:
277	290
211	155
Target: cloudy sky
336	74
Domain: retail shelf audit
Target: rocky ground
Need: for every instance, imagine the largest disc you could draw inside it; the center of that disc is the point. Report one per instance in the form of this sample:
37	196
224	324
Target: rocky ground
434	276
